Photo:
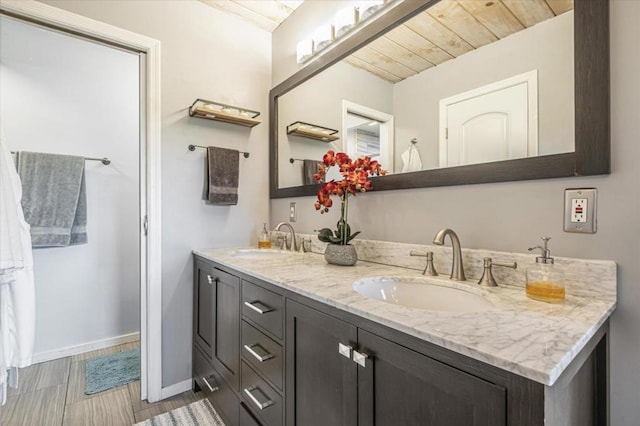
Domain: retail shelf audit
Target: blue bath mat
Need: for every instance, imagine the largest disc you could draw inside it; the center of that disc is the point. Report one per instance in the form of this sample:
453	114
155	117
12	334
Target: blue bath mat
110	371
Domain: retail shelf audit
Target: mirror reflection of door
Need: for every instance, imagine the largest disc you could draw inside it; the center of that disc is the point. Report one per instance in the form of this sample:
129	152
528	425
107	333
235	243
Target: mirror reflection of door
495	122
368	132
363	134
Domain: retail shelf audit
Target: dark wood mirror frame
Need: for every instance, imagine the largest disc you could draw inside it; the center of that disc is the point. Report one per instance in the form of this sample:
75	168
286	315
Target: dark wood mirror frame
592	120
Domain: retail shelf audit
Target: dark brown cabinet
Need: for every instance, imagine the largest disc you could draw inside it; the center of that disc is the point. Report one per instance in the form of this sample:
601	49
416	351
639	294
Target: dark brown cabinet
226	326
389	385
321	384
398	386
203	307
266	356
216	337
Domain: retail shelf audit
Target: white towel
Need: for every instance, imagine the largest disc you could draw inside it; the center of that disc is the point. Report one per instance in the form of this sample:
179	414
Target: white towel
17	290
411	160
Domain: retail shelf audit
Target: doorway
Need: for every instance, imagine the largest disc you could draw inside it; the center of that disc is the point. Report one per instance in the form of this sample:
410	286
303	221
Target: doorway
146	157
368	132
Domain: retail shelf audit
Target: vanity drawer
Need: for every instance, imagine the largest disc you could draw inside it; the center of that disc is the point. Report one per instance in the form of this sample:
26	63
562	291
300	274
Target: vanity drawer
263	400
263	354
263	307
246	418
217	391
203	373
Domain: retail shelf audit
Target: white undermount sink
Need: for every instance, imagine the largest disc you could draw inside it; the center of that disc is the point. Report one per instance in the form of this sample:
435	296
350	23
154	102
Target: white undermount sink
260	253
423	293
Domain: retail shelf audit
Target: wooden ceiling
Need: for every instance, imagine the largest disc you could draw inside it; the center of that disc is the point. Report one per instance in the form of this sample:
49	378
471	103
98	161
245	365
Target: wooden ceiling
447	30
265	14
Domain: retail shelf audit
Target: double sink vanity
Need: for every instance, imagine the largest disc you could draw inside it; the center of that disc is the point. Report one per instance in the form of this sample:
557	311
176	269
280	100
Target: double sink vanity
283	337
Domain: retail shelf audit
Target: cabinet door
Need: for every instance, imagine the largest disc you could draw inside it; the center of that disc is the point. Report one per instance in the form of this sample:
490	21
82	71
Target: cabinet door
226	327
203	307
398	386
321	384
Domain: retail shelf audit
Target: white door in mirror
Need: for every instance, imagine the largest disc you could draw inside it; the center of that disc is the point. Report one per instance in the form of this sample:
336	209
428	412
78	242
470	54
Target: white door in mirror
494	122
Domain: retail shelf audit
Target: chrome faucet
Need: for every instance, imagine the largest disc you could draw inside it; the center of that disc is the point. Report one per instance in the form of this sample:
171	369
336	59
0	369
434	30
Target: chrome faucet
294	245
457	269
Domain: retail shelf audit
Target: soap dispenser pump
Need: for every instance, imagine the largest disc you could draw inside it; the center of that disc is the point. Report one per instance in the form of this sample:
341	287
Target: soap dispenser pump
545	281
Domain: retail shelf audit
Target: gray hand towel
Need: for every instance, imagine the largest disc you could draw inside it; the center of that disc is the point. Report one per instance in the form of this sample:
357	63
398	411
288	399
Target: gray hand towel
221	176
54	198
309	168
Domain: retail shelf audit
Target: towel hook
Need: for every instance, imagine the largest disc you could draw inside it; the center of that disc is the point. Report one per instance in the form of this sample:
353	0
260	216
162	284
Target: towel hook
414	141
193	148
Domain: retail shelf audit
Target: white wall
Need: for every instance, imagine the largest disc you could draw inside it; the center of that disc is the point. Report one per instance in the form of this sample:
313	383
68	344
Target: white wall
212	55
512	216
319	101
546	47
64	95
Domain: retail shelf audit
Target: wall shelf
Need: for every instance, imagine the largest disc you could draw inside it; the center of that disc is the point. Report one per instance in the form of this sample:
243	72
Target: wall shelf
217	111
312	131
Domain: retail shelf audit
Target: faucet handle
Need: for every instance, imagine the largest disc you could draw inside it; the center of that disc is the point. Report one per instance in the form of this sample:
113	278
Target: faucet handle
303	247
487	279
429	269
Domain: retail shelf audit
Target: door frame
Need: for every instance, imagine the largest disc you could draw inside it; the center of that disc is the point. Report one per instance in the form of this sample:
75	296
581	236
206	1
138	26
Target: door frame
386	130
150	138
531	80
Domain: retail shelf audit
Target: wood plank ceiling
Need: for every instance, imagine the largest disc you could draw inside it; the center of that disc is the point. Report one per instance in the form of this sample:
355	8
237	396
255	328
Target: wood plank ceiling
447	30
265	14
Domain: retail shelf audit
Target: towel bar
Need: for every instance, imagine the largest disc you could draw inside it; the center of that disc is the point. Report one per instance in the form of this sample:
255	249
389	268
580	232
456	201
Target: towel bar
104	160
193	148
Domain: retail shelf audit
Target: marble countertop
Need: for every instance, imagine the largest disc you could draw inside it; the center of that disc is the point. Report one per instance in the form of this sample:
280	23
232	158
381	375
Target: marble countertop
533	339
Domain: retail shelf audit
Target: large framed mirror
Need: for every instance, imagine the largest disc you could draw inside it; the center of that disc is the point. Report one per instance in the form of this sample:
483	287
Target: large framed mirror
453	92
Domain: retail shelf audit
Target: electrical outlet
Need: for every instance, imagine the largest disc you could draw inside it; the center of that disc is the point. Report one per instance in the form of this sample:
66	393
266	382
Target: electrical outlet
292	212
580	210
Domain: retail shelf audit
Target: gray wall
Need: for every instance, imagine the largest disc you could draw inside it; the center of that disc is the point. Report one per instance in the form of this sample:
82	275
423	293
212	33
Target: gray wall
513	216
212	55
90	292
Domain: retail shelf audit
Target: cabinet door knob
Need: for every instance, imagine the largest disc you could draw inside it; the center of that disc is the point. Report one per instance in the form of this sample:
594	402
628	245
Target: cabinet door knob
253	350
258	307
210	279
345	350
250	393
360	358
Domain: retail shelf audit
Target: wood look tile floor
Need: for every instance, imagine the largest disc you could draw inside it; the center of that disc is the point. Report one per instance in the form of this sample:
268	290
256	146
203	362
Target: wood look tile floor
52	394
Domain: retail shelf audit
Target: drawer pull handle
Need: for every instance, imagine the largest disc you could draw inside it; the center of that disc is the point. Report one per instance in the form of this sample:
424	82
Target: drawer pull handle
261	405
345	350
360	358
252	350
210	279
211	388
258	307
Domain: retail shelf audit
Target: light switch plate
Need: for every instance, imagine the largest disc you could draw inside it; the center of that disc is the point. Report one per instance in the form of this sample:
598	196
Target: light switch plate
292	212
580	207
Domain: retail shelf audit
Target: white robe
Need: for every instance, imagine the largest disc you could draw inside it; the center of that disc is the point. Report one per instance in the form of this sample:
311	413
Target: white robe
17	289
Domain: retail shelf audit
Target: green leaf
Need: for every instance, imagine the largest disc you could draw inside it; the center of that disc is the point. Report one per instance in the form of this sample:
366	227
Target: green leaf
325	235
352	236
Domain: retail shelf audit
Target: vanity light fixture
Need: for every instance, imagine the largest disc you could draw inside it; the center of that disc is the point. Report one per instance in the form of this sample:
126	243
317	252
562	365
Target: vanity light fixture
346	21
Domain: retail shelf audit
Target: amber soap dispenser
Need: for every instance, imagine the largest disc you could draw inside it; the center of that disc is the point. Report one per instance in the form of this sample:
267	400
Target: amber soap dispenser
545	281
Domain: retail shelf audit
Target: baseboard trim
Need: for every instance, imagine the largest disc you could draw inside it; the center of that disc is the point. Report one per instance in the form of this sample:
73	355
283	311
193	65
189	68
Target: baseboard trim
176	388
85	347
